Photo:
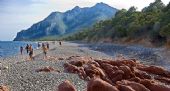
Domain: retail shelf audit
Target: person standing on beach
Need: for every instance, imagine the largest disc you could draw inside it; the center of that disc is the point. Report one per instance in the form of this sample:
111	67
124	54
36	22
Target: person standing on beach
39	45
21	50
44	48
48	46
60	43
27	48
30	52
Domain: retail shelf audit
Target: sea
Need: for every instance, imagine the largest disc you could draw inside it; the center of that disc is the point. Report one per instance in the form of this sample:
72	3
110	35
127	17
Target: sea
12	48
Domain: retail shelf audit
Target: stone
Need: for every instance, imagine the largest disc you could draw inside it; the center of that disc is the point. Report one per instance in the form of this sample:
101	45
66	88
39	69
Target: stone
66	86
134	85
4	88
97	84
46	69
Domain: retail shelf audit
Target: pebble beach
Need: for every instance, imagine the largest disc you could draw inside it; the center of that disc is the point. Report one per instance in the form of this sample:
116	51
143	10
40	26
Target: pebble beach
19	74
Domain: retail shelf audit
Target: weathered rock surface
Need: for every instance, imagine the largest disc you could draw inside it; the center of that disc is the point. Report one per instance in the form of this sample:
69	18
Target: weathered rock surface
66	86
119	75
47	69
4	88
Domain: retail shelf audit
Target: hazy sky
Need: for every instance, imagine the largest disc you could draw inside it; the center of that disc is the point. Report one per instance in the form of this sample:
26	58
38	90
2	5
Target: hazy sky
16	15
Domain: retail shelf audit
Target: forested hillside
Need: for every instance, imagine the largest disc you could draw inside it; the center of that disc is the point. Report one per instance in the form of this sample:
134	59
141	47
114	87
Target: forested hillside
150	25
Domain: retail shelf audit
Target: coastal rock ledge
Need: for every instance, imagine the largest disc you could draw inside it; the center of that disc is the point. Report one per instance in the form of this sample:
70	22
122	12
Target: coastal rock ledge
117	75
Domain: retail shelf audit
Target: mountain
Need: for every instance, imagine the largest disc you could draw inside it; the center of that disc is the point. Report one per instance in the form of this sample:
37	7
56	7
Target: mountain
58	23
149	27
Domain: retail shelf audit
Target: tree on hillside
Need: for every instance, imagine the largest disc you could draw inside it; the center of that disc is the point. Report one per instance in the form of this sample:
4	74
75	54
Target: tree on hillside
119	32
132	9
120	12
152	23
157	5
165	31
167	7
165	19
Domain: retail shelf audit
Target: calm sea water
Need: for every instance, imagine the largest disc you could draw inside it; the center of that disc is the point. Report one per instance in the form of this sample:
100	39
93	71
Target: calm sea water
11	48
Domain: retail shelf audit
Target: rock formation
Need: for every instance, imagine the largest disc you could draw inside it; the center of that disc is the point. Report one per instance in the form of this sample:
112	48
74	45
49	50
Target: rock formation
119	75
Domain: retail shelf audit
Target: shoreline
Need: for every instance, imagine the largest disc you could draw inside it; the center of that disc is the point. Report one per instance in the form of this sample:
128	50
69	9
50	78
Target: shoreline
149	55
161	53
20	74
103	48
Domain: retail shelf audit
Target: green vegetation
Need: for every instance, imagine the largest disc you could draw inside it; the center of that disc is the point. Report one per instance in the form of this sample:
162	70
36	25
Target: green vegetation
152	24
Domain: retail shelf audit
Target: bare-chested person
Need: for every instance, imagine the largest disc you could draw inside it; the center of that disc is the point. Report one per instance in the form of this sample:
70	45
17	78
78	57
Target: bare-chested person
30	52
44	48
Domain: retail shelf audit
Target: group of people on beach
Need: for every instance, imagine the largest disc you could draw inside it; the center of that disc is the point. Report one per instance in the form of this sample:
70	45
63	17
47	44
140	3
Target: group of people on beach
29	49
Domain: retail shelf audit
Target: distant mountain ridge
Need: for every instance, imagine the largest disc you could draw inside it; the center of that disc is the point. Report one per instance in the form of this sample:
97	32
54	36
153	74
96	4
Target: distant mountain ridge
58	23
149	27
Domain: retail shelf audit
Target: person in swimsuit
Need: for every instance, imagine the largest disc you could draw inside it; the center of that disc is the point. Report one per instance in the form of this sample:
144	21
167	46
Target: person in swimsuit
21	50
31	52
60	43
48	46
44	48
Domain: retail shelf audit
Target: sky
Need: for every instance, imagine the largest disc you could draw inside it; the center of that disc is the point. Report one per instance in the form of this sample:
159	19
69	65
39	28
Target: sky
17	15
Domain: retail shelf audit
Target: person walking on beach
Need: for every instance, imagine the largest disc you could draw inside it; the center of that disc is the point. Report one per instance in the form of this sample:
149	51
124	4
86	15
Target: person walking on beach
60	43
27	48
30	52
39	45
44	48
48	46
21	50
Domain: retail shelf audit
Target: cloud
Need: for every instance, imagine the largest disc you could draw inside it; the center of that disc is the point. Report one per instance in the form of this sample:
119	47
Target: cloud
16	15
